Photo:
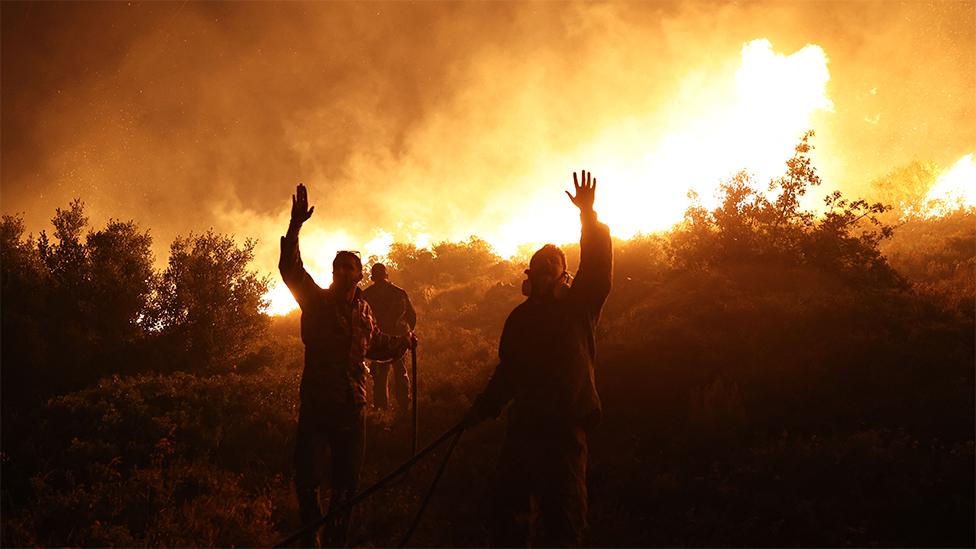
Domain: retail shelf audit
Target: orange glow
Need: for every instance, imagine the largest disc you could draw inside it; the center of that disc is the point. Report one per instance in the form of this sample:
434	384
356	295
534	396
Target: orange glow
280	300
748	118
318	249
954	189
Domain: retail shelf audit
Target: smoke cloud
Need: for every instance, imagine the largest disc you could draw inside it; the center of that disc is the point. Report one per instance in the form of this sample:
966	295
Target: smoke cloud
432	121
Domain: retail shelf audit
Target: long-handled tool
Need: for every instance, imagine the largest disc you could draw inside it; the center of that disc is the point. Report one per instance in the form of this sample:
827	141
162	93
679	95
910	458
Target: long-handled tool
413	393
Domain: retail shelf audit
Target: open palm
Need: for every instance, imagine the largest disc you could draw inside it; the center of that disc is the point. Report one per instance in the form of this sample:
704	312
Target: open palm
300	212
585	187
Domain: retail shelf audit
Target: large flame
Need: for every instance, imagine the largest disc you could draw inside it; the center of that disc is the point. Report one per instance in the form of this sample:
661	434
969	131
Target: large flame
954	189
749	118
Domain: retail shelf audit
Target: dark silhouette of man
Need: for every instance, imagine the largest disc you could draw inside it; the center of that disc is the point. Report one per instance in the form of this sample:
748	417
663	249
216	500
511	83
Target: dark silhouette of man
545	370
395	315
339	332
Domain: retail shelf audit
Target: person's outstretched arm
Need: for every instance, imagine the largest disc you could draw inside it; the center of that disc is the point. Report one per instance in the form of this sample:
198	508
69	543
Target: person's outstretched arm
595	275
290	263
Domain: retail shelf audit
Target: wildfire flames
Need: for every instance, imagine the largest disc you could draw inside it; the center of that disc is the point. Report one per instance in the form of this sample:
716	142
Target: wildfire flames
956	188
748	118
409	125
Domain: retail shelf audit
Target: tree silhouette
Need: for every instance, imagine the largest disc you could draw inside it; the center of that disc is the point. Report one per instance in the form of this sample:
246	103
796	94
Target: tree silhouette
208	305
750	226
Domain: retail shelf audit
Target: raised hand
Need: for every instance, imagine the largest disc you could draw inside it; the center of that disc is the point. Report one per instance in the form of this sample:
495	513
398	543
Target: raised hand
300	212
585	191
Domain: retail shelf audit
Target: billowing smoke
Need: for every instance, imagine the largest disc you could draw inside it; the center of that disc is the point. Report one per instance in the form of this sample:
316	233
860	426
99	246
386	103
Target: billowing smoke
431	121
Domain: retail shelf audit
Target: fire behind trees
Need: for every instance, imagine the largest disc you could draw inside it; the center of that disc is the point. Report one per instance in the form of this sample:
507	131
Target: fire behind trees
770	377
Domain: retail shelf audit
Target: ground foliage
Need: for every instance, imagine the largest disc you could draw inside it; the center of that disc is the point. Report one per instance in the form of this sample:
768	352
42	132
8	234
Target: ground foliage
770	376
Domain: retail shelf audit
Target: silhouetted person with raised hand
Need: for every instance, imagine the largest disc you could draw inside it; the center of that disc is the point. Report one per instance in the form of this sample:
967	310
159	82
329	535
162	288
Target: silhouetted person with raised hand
545	370
339	331
395	315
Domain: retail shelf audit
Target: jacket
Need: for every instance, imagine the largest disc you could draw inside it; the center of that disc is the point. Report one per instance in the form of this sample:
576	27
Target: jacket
339	336
391	307
547	348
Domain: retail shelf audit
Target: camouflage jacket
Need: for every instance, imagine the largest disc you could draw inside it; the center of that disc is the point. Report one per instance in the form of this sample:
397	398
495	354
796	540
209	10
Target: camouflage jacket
547	349
338	335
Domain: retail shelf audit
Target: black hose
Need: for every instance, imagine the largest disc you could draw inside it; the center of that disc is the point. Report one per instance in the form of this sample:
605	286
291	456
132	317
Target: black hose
312	526
430	491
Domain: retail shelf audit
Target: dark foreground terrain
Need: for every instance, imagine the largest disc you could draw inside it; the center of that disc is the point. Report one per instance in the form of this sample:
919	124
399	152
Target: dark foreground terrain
768	379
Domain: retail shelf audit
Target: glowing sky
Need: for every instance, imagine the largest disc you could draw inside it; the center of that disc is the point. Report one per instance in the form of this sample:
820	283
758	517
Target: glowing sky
431	121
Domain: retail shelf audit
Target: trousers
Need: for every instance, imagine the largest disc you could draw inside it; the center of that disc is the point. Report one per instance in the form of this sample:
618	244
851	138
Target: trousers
541	475
400	380
339	433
